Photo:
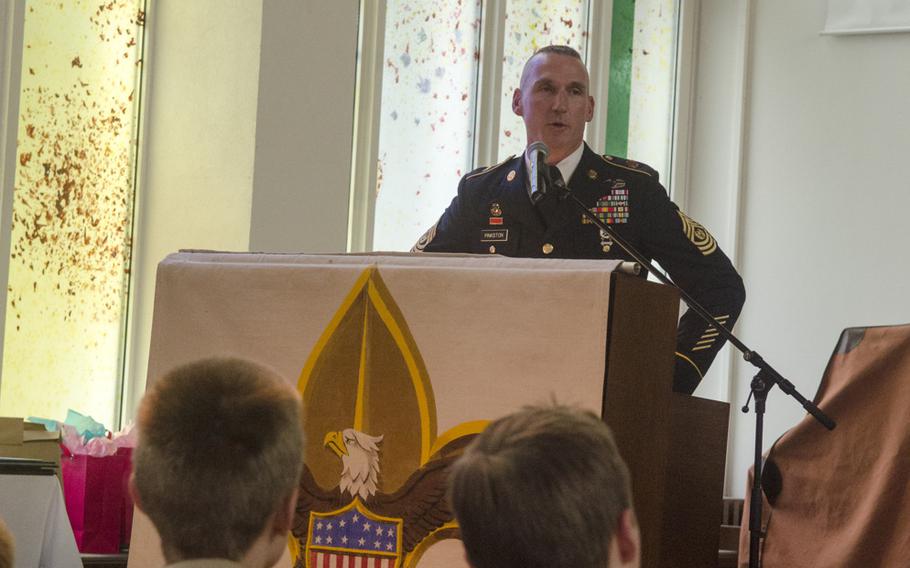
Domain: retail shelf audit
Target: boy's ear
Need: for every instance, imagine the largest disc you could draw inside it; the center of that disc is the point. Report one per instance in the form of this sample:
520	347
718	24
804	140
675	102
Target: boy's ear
284	516
628	538
134	493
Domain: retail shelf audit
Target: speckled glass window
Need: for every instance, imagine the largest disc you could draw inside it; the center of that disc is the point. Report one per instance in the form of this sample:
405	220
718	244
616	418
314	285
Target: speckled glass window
532	24
653	80
426	134
429	105
72	212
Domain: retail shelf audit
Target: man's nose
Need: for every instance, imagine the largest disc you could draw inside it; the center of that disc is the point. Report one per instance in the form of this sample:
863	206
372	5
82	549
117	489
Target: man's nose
561	101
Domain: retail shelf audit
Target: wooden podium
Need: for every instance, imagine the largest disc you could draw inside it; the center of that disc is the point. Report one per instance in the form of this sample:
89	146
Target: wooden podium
425	349
675	445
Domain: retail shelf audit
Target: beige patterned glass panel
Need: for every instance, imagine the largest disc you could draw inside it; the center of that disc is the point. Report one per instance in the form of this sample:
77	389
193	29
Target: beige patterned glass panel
426	131
532	24
72	208
653	81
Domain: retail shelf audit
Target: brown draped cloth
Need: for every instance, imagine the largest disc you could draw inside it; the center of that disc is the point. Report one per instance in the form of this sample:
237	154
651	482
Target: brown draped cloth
842	498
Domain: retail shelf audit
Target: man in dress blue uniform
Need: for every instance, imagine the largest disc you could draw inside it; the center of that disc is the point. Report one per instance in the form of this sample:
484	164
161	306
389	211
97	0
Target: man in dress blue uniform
494	212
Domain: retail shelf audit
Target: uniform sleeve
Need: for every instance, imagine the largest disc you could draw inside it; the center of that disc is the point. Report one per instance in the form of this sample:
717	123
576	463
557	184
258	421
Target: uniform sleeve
449	233
691	257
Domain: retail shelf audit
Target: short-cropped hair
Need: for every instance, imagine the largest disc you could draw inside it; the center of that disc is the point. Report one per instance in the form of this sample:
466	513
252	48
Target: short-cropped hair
544	487
559	50
554	49
220	446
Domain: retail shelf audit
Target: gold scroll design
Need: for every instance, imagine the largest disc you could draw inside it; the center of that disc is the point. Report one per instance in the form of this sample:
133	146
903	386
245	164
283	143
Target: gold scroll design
697	234
365	372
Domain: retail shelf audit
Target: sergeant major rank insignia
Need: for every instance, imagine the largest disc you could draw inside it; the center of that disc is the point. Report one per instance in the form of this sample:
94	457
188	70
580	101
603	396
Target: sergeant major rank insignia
698	235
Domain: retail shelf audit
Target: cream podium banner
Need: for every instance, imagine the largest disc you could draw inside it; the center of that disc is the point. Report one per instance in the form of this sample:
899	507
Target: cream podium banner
400	359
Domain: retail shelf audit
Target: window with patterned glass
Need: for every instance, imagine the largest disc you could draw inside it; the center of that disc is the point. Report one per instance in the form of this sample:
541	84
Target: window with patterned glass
427	118
431	121
528	27
72	209
652	83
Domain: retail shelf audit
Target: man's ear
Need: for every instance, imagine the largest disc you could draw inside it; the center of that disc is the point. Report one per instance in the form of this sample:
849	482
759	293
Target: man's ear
284	516
516	102
628	538
590	113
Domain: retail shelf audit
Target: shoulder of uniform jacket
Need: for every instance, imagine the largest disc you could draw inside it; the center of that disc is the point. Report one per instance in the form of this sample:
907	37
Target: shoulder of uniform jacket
630	165
488	169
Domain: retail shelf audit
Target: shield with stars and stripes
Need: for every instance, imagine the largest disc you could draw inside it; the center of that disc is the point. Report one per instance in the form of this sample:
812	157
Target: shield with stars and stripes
353	537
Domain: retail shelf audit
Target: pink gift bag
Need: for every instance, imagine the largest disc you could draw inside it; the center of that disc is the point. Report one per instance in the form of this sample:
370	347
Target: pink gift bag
94	490
126	524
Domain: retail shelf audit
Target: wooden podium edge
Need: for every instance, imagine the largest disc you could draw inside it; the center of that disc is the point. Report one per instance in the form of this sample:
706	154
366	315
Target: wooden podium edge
674	445
641	341
695	481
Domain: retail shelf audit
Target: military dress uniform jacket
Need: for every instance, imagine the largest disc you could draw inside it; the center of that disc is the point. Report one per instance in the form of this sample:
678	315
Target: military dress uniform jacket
492	213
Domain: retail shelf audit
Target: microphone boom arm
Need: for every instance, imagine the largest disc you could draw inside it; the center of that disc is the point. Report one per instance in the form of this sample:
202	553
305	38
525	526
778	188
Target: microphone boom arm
764	380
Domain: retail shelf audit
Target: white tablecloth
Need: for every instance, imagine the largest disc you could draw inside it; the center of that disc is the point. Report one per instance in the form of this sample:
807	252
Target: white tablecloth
32	506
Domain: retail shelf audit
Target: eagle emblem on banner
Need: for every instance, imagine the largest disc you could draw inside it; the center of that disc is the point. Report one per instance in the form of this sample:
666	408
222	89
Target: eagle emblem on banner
373	488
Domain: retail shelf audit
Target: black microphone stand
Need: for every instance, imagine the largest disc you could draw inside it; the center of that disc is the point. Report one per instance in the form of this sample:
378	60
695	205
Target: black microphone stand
764	380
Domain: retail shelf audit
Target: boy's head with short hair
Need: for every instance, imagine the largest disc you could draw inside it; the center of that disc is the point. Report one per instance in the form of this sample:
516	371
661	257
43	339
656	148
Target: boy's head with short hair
218	461
545	487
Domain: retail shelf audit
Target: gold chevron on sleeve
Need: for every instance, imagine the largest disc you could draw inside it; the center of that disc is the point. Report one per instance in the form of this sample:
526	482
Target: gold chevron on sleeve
698	235
710	335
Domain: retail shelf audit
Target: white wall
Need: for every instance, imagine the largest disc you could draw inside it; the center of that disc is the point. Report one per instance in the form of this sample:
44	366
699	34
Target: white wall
202	67
714	184
304	126
823	212
247	137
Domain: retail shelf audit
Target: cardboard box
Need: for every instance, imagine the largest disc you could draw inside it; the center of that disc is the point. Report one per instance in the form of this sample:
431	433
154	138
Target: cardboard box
20	439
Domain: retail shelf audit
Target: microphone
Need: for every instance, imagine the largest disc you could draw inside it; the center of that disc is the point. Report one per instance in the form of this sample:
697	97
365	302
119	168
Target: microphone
537	155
